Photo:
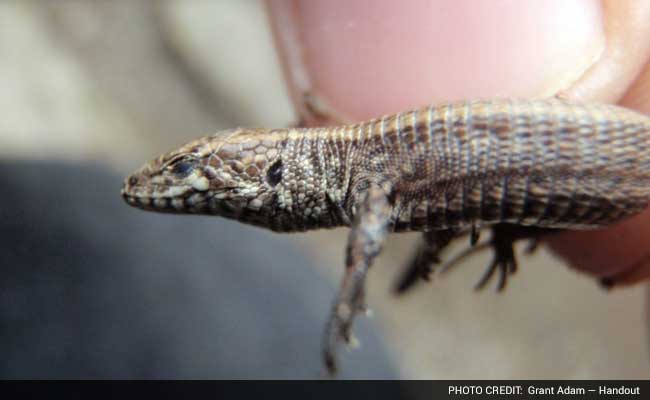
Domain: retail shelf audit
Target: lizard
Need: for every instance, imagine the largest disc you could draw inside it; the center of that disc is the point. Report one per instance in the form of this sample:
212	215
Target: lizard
521	168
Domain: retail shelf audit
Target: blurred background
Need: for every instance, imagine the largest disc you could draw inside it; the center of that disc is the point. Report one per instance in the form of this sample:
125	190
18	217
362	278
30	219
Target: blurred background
91	288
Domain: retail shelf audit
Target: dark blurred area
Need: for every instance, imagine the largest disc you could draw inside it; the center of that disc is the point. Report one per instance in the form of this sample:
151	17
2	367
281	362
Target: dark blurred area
91	288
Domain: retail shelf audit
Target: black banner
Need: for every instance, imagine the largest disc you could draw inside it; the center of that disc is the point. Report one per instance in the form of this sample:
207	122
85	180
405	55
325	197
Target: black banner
330	390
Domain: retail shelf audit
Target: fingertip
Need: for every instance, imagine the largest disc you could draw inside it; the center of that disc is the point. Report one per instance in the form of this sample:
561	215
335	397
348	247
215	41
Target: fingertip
608	253
366	58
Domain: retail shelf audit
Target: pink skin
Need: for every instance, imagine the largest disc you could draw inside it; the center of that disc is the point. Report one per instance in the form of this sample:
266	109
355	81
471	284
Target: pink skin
366	58
369	57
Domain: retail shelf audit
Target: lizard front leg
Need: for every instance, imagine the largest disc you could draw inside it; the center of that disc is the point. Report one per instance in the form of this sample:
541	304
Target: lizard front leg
372	210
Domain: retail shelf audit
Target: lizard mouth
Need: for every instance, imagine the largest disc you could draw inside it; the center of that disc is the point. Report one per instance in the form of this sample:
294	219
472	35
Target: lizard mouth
155	198
147	202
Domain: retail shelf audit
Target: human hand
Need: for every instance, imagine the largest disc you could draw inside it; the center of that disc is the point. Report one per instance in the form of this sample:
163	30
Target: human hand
368	58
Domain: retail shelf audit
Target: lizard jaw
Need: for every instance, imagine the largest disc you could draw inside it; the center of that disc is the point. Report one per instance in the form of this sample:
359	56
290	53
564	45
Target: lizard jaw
169	198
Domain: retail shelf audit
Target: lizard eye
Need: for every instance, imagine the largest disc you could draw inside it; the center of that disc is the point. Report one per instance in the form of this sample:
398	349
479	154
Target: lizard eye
182	168
274	174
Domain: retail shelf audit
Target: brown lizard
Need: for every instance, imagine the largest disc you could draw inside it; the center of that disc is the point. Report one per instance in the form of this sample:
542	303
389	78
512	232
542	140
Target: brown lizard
521	167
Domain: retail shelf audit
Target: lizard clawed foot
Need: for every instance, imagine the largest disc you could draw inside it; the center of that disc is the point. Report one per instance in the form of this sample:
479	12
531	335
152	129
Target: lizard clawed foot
420	267
339	327
504	259
426	257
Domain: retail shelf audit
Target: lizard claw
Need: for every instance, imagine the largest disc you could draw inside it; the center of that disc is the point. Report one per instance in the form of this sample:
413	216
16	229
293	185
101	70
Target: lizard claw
339	329
475	234
426	257
353	342
504	259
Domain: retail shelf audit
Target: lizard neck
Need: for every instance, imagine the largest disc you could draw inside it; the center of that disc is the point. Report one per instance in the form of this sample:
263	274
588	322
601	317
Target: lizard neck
315	181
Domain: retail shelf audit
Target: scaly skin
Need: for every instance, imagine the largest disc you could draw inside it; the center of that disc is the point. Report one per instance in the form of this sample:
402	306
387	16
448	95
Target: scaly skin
521	167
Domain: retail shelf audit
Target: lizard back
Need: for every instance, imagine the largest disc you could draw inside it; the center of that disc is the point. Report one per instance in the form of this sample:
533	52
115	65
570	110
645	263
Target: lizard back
547	163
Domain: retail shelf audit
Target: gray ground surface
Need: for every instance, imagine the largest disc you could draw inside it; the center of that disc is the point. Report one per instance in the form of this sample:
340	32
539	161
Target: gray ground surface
118	82
93	289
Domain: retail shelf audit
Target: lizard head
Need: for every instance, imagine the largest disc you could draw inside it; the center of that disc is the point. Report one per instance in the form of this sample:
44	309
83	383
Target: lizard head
233	174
